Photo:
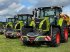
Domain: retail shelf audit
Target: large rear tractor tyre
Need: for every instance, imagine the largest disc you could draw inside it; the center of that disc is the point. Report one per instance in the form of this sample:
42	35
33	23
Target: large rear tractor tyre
55	38
64	33
64	36
69	30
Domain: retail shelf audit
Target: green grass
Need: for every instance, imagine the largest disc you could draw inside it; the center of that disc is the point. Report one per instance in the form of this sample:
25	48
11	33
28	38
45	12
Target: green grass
14	45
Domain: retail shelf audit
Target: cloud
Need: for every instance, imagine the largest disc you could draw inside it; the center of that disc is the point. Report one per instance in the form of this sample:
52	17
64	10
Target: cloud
40	3
8	7
5	3
26	10
45	3
11	10
12	7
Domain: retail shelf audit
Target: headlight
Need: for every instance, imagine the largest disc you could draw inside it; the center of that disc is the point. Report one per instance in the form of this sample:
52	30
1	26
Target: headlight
32	34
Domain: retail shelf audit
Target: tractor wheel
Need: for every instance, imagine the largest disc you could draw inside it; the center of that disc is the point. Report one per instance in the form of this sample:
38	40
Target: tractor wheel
26	43
64	33
7	37
69	30
1	33
37	43
64	37
55	38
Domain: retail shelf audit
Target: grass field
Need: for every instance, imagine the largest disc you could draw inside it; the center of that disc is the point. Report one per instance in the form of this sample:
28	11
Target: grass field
14	45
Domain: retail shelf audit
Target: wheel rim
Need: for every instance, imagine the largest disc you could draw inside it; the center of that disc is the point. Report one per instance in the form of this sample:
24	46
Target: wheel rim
58	38
66	34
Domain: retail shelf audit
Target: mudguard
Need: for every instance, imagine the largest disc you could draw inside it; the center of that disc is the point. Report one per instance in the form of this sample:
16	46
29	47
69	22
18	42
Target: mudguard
21	24
10	24
60	21
32	23
47	24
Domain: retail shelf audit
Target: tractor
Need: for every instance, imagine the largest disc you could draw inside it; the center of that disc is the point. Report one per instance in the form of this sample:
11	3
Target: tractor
17	25
47	27
2	26
9	29
22	18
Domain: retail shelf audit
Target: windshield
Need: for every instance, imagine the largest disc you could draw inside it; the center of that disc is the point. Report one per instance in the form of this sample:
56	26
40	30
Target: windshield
11	20
49	12
29	18
22	18
45	12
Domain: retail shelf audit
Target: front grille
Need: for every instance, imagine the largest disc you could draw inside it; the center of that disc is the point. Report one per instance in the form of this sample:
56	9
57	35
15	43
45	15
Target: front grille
31	38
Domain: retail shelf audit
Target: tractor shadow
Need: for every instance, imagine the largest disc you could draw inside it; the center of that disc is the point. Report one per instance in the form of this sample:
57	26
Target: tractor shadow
42	46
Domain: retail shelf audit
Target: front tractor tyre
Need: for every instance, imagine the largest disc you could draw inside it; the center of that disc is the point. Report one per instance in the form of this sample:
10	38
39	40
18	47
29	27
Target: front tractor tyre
55	37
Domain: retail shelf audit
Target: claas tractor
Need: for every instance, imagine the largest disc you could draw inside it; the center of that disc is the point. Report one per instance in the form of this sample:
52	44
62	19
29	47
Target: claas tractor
2	26
22	18
14	31
47	27
9	29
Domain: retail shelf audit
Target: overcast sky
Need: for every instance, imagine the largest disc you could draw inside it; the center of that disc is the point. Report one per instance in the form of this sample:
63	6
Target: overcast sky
12	7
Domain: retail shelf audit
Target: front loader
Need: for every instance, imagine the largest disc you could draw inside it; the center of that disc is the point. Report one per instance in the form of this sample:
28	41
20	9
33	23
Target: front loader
47	27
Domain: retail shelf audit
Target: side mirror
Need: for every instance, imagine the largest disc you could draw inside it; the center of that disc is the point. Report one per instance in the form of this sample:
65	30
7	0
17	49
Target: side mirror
33	12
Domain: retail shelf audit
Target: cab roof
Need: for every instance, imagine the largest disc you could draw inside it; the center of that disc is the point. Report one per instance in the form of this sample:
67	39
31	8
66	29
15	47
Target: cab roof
53	7
12	18
24	15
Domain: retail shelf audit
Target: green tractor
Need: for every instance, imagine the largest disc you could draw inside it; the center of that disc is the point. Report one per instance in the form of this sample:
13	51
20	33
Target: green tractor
14	31
9	29
22	18
2	26
47	28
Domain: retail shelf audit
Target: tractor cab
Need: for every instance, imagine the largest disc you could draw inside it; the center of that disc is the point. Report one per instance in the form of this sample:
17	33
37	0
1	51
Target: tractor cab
23	19
44	17
11	22
49	13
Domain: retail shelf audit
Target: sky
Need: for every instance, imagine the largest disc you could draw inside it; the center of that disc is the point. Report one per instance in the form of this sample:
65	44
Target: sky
9	8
